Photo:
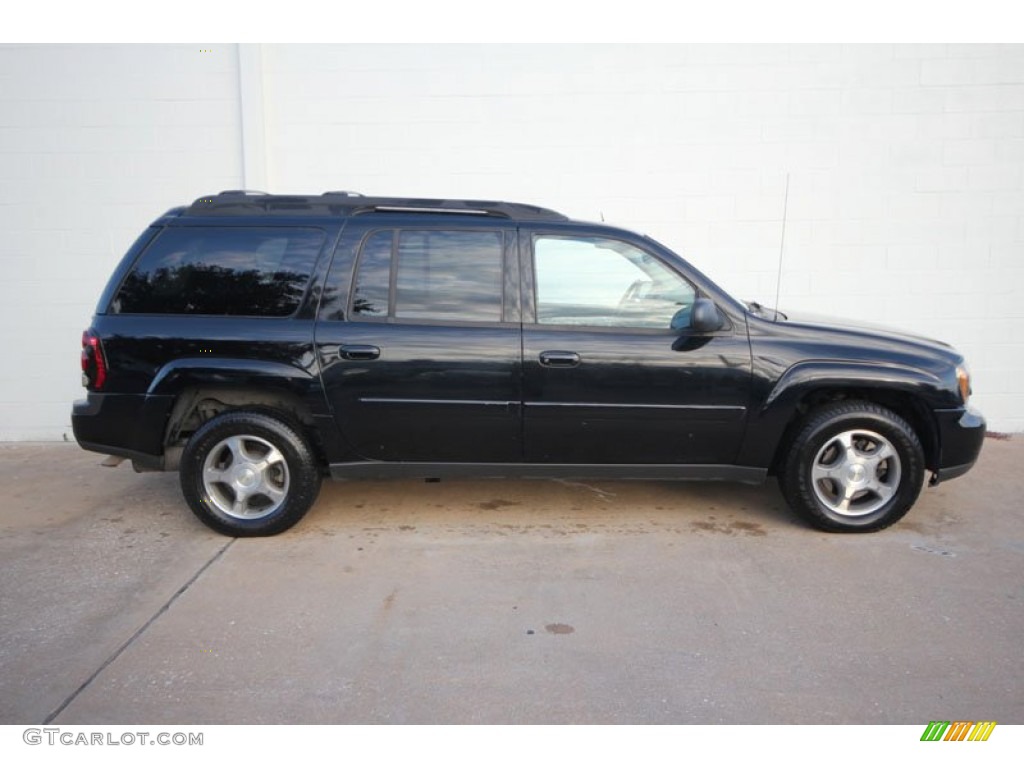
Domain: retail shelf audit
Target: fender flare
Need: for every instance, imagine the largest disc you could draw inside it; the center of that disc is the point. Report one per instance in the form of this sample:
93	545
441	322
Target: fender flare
767	424
187	372
813	374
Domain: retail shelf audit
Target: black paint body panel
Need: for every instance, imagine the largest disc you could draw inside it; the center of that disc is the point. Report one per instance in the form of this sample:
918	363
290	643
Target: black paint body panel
477	398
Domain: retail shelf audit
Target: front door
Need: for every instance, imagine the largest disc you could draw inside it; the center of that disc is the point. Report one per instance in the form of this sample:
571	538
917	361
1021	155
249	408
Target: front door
612	372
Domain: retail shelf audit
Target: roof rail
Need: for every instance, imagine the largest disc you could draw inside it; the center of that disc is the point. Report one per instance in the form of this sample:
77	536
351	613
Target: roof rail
343	203
471	207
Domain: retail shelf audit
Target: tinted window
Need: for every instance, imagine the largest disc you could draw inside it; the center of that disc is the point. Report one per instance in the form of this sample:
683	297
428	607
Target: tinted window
373	278
221	271
440	275
602	282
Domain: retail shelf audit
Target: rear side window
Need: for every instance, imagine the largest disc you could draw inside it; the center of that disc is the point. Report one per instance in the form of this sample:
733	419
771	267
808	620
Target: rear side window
255	271
444	275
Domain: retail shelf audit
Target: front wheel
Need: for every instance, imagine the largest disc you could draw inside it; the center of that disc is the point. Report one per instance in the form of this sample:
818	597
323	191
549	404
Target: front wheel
249	474
853	467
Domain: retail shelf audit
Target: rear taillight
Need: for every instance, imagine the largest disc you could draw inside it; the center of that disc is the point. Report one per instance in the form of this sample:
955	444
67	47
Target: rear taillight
94	367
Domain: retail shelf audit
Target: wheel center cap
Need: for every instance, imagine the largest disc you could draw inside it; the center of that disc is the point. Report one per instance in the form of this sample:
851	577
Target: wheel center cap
246	477
856	473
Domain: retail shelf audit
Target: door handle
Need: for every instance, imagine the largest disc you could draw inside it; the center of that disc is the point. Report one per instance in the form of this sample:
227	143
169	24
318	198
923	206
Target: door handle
359	351
559	359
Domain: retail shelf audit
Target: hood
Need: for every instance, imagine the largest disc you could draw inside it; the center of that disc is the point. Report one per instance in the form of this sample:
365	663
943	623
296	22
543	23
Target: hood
885	331
877	336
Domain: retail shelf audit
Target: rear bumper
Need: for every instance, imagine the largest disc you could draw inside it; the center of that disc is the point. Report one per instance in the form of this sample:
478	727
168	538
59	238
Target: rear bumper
961	434
122	425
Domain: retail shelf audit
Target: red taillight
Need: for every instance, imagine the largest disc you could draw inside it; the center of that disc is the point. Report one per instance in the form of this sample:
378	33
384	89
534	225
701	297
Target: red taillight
94	367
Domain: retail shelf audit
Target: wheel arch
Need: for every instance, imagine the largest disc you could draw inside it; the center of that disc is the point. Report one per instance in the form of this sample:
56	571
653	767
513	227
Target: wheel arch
197	405
910	393
855	466
901	402
202	388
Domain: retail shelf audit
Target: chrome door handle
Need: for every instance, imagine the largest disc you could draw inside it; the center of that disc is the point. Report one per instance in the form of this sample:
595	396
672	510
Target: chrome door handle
359	351
559	359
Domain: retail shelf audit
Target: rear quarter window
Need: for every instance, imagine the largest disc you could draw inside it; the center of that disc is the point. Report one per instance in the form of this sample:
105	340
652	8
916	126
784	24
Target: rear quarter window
255	271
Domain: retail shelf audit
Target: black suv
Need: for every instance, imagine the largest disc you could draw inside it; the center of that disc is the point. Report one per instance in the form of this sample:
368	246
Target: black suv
258	342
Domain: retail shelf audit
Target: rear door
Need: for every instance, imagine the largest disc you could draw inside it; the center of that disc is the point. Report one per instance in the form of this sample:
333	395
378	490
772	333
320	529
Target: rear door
419	340
612	372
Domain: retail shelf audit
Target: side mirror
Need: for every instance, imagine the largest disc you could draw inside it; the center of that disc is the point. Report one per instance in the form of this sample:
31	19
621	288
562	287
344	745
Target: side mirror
705	317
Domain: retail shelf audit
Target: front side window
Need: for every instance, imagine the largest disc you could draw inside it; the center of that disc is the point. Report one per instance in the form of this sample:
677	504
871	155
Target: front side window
252	271
446	275
593	281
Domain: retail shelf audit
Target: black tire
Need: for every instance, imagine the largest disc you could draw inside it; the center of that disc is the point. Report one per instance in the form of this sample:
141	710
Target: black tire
853	467
247	473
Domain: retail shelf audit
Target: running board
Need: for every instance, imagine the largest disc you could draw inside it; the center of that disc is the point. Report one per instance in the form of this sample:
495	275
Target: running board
382	470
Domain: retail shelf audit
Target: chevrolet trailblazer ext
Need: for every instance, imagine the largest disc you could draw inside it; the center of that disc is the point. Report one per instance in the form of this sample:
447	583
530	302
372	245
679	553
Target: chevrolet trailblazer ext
258	342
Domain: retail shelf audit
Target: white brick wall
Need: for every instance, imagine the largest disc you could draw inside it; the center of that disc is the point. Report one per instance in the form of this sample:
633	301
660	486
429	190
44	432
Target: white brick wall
906	167
906	163
95	143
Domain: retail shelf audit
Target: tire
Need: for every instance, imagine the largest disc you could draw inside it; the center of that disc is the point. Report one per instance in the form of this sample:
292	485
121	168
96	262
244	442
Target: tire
853	467
247	473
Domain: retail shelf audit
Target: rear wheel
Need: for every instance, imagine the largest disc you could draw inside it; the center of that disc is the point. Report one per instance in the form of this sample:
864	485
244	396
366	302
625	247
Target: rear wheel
247	473
853	467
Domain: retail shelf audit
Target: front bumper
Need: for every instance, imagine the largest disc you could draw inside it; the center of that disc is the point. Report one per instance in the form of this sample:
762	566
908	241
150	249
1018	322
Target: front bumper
961	433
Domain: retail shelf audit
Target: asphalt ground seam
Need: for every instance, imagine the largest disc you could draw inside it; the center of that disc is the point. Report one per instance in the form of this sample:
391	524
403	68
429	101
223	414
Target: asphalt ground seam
121	649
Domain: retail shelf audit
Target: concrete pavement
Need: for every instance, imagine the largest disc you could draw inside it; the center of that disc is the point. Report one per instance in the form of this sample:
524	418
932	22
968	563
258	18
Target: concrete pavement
505	602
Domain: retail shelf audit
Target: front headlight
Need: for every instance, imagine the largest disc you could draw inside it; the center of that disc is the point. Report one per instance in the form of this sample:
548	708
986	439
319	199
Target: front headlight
963	379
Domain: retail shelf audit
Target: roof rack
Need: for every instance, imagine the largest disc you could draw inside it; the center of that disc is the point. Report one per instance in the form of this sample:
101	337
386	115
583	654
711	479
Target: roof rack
343	203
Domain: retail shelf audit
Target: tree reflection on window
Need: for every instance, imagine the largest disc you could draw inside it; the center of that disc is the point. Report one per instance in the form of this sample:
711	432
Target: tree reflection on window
222	271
